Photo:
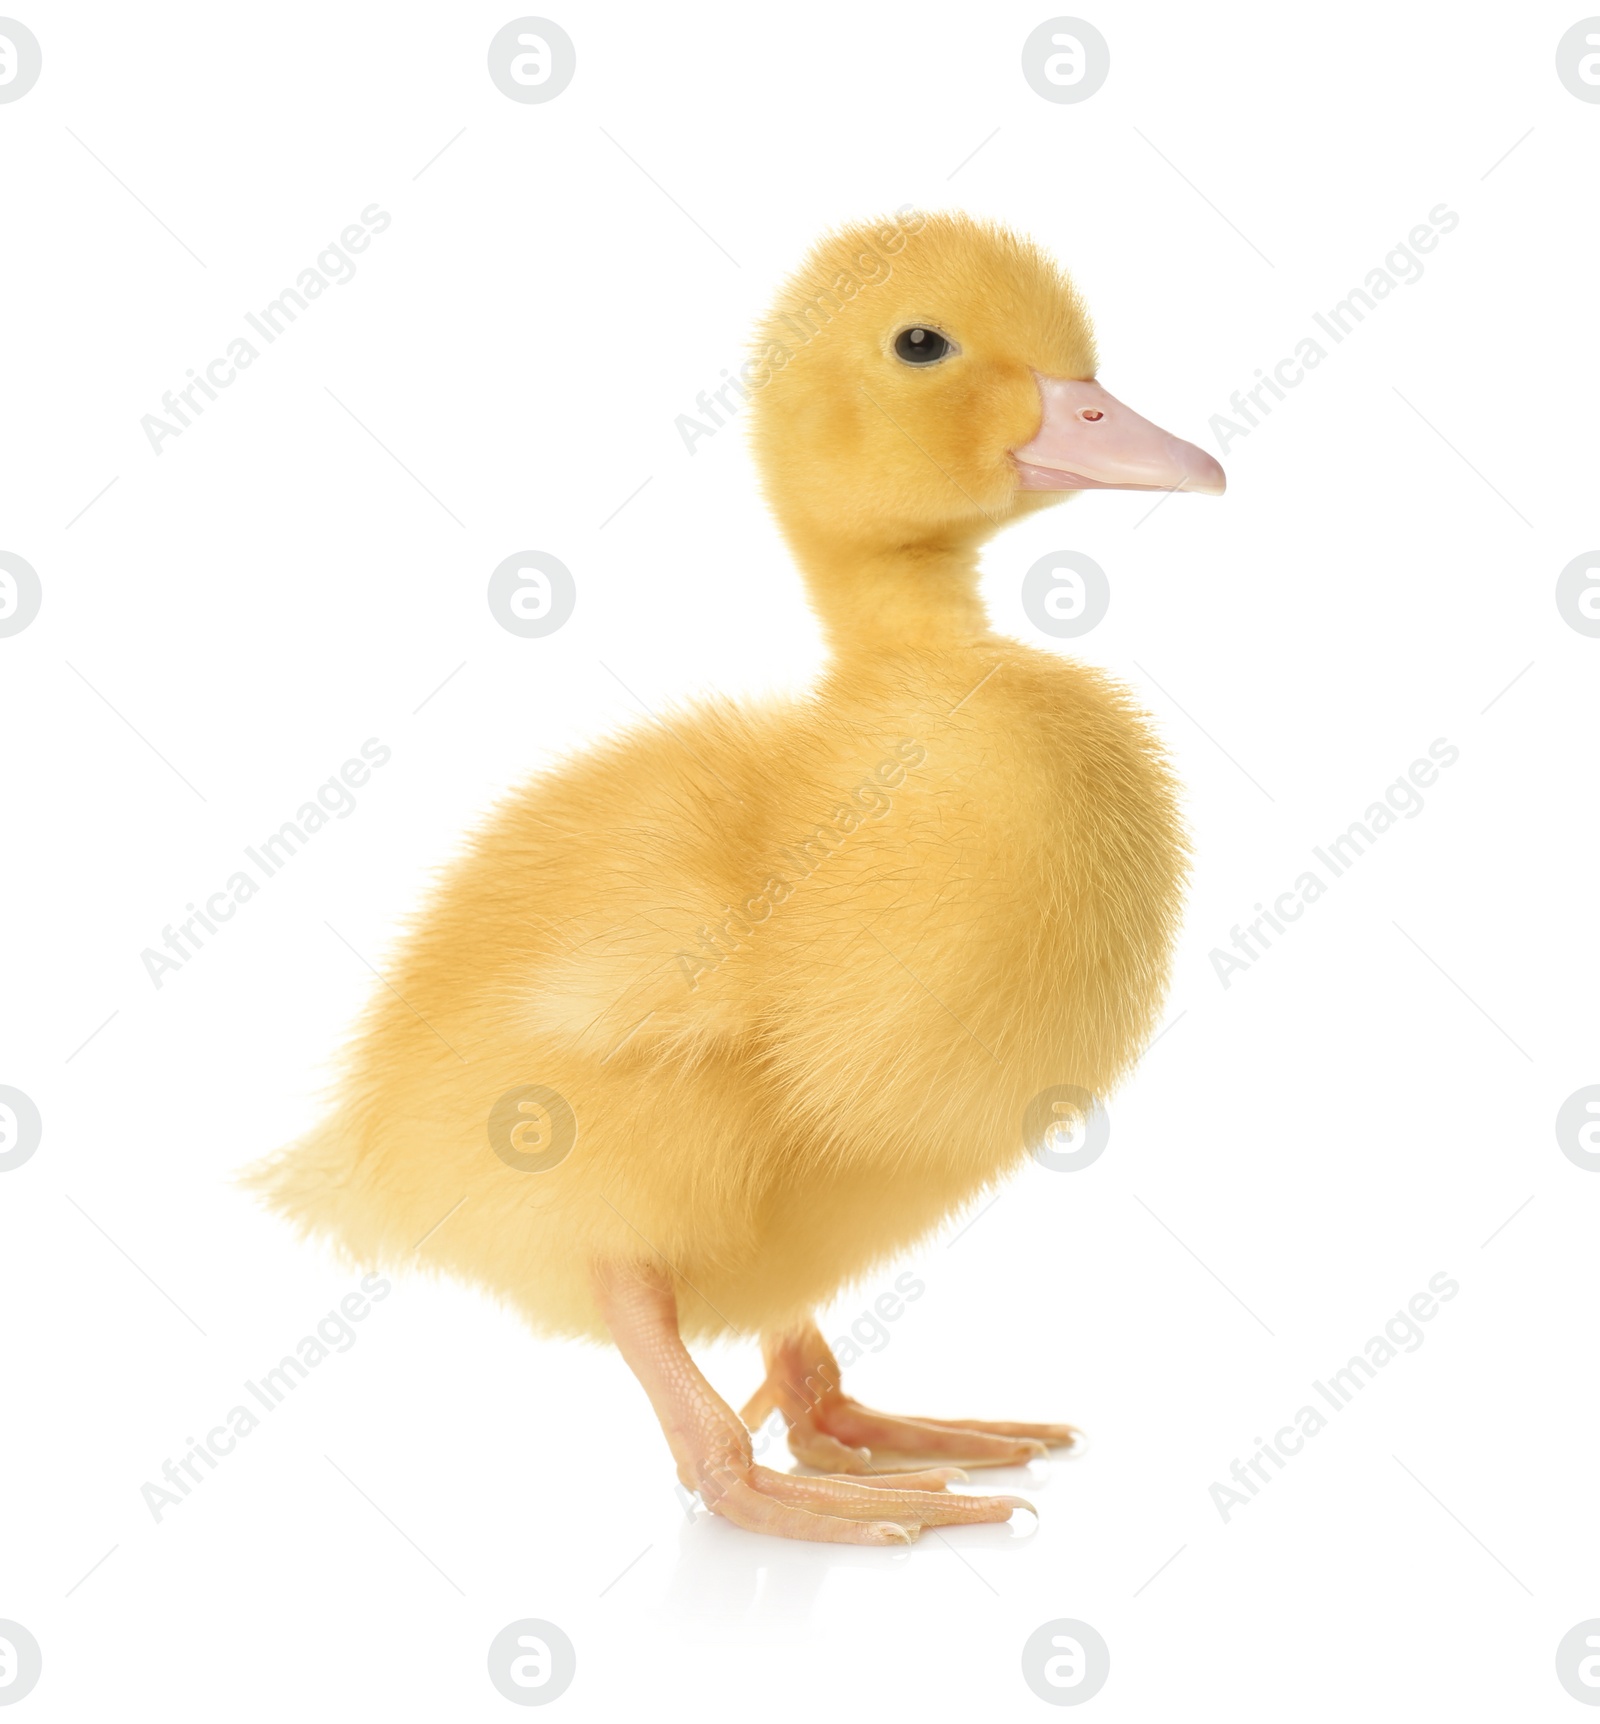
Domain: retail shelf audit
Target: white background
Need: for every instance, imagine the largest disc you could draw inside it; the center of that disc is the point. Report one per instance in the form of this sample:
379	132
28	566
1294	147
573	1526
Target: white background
1293	1161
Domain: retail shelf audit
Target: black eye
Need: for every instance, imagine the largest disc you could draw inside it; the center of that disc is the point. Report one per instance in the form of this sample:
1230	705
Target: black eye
920	346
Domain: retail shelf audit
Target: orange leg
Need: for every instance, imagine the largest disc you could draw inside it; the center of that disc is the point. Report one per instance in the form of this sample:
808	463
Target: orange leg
712	1446
828	1429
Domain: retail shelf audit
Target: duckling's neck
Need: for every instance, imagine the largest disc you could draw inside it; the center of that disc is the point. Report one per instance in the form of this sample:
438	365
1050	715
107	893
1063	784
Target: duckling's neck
879	599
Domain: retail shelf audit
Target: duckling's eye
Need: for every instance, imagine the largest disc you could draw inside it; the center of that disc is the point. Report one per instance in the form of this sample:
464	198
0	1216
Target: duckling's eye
920	345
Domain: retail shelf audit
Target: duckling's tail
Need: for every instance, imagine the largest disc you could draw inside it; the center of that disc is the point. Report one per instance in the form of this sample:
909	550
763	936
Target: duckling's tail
315	1185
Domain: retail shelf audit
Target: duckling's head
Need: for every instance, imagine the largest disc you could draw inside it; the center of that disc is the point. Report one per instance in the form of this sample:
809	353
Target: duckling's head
921	381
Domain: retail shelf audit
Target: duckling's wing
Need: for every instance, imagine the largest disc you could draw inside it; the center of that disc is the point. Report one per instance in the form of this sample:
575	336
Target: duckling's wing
650	862
648	985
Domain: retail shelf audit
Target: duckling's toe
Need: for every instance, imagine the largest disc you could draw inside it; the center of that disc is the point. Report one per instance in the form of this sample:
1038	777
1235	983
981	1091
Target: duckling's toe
930	1479
815	1448
854	1500
753	1504
1052	1436
895	1442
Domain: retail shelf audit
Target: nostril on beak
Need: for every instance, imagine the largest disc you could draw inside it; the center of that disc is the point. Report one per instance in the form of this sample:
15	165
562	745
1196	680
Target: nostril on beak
1090	413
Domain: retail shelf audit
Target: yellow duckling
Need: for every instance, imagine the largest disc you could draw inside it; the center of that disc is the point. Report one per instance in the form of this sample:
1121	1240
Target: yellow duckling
711	1021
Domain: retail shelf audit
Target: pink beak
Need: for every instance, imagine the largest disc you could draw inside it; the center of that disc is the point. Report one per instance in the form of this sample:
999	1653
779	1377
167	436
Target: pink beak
1088	441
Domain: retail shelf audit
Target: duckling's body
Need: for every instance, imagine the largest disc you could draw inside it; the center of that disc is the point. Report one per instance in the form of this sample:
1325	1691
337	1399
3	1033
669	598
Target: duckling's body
852	939
716	1016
